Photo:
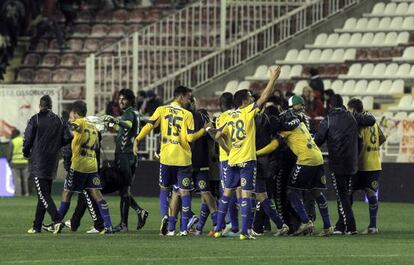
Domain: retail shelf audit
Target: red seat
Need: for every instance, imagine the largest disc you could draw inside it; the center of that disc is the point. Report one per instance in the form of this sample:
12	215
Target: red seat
69	59
116	31
50	60
99	30
120	16
25	75
43	76
61	76
136	16
32	59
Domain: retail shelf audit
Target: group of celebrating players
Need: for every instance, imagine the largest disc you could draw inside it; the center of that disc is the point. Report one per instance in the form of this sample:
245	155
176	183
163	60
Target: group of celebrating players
265	152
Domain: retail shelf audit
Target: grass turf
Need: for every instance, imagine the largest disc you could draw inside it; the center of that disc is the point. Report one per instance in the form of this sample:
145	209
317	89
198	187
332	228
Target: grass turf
394	244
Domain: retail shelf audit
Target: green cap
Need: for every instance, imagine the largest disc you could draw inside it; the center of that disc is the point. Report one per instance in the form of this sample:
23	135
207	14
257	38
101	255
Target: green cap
295	100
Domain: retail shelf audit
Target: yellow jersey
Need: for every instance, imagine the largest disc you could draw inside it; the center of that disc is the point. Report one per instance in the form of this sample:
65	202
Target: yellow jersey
177	129
84	145
241	128
220	122
370	157
302	145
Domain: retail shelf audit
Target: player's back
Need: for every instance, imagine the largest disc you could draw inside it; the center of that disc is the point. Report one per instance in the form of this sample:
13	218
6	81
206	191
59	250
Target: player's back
240	126
176	123
370	157
84	144
303	146
220	123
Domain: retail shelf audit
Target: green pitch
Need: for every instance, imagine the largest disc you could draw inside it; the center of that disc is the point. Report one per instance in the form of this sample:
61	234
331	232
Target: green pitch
394	244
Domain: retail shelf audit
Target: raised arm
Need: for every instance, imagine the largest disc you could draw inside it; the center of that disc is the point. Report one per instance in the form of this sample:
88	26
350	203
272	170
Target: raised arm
275	72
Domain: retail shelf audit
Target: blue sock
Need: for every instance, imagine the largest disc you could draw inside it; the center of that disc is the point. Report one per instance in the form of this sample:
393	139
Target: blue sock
214	218
246	211
204	212
164	202
63	209
222	210
270	210
104	210
252	210
171	223
185	211
373	210
234	213
297	204
323	209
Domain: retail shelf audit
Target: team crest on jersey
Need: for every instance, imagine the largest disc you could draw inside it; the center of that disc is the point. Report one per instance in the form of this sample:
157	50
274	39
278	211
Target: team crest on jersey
374	185
96	181
243	182
186	182
323	180
202	184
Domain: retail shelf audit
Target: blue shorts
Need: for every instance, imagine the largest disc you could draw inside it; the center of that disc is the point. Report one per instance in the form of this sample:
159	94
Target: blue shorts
78	182
366	180
260	186
223	172
241	175
170	175
200	180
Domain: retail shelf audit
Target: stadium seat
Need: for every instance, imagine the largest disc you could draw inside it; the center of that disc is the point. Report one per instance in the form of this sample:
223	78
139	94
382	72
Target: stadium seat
374	23
120	16
392	70
355	69
350	24
243	85
284	72
408	23
75	44
291	55
99	30
320	40
404	70
345	100
373	88
384	88
43	76
390	39
300	86
60	76
396	24
231	87
136	16
337	86
296	71
401	9
379	70
367	40
91	45
82	30
259	74
349	54
32	59
116	31
25	75
42	45
327	83
378	9
355	40
405	103
362	24
410	10
343	40
303	55
314	56
367	70
348	88
390	9
397	87
360	87
368	102
50	60
331	41
77	76
403	38
328	55
400	115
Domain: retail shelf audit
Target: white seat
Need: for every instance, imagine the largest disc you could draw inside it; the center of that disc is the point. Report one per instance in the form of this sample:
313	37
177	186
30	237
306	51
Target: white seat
410	10
368	103
231	87
400	115
391	39
300	86
378	39
296	71
411	115
367	70
355	40
349	54
391	70
385	87
337	86
397	87
367	39
401	9
328	55
259	74
378	9
404	70
348	88
285	71
350	24
373	87
362	24
355	69
332	40
360	87
408	23
343	40
303	55
405	102
327	83
396	24
243	85
403	38
383	24
411	72
320	39
292	55
345	100
373	24
314	56
390	9
408	53
379	70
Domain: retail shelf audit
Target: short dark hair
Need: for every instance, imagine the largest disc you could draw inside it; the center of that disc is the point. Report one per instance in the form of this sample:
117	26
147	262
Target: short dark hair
226	101
356	104
79	107
15	133
129	95
181	91
240	96
142	93
329	92
313	71
46	102
336	101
